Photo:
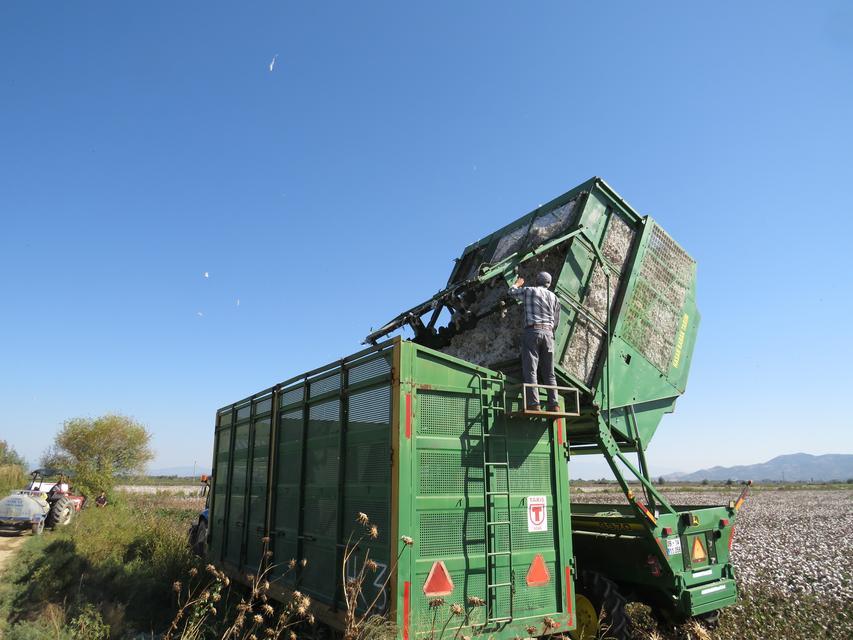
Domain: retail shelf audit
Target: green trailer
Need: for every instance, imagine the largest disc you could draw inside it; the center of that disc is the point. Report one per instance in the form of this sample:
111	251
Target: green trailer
425	445
430	439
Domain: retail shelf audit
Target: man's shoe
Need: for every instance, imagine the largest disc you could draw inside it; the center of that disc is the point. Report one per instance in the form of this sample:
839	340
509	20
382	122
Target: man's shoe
534	407
554	408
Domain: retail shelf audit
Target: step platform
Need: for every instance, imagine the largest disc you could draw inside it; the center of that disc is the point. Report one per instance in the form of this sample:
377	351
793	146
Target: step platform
569	399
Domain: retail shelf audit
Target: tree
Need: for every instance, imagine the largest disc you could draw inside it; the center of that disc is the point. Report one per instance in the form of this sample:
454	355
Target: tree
12	469
97	450
8	455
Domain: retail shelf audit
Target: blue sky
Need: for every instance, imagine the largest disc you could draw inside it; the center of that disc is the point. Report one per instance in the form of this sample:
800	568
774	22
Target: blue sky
144	144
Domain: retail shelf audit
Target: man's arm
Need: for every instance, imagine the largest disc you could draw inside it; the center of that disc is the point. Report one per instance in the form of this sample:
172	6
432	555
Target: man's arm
556	313
516	290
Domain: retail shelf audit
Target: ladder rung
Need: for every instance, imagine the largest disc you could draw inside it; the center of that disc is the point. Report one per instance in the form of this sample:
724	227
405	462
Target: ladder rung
497	522
499	585
497	464
498	493
499	553
494	435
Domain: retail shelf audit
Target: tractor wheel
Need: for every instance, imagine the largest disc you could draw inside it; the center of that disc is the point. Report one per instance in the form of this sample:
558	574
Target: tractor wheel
600	609
198	538
38	527
61	512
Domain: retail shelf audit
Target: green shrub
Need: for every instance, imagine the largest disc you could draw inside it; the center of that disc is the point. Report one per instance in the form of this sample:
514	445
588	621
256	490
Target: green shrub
111	569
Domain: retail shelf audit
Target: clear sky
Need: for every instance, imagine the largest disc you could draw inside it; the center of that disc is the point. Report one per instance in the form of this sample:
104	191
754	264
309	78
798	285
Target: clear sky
143	144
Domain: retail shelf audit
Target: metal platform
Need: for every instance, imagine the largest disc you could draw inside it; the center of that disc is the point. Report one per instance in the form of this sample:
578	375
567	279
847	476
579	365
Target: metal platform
566	393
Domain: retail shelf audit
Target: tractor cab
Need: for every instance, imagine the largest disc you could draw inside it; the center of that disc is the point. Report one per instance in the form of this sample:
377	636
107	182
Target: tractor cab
40	481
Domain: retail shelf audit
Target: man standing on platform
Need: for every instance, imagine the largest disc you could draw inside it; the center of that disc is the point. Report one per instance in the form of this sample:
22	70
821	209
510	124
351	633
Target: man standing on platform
541	315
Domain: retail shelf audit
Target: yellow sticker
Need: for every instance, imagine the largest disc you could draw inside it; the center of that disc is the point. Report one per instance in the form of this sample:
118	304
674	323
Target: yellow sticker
679	342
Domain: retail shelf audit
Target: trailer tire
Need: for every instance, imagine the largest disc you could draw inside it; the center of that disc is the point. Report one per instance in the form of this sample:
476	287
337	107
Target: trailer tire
60	512
600	608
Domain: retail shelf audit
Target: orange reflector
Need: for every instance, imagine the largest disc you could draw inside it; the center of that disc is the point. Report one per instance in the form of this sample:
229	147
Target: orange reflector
538	574
438	582
698	554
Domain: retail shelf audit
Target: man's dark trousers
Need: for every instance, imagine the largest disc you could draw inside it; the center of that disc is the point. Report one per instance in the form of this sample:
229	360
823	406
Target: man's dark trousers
537	355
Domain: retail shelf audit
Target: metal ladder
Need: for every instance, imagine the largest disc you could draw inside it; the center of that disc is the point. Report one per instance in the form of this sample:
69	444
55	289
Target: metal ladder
493	405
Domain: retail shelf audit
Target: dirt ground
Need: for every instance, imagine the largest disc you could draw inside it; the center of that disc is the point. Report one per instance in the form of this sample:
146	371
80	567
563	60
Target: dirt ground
9	545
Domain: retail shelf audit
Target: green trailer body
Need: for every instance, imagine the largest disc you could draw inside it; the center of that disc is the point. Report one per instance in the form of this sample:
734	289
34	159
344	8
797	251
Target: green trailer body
423	444
428	438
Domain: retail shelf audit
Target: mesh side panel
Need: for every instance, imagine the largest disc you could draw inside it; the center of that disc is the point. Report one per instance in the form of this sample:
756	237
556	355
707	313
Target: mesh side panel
329	410
319	575
319	513
368	463
587	340
238	494
324	385
372	405
453	533
378	512
244	412
654	313
287	492
371	369
665	249
582	351
450	472
291	395
444	414
321	464
263	406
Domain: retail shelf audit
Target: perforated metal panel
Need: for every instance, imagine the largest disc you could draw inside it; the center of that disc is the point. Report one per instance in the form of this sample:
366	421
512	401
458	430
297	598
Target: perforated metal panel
445	414
451	533
449	472
451	519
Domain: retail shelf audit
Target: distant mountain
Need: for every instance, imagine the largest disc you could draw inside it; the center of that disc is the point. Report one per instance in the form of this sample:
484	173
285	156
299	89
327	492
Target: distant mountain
181	472
795	467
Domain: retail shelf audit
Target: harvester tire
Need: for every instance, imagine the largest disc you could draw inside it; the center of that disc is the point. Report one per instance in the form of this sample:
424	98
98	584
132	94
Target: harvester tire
61	512
602	608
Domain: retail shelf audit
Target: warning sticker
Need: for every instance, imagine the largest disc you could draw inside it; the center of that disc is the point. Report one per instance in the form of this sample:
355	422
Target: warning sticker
537	513
673	546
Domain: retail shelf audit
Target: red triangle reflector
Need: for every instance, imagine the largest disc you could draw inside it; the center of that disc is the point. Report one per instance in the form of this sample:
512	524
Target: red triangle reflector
537	574
438	582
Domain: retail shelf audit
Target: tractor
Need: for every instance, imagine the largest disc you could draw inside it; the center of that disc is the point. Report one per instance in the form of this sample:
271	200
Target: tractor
44	503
